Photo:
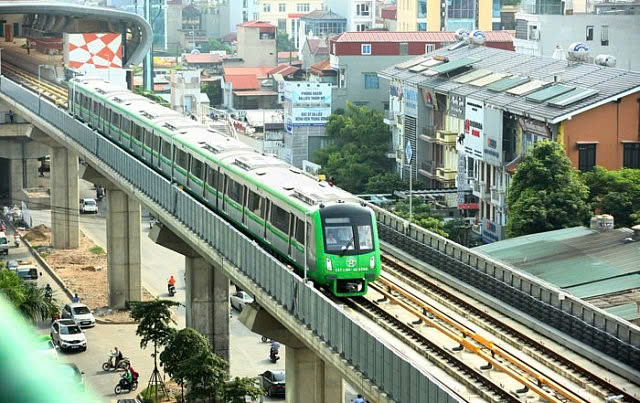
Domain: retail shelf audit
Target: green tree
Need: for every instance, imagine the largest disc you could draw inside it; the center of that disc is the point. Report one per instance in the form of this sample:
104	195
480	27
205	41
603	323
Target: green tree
458	230
206	376
423	215
546	192
388	182
616	193
237	389
184	344
214	92
283	43
27	299
215	44
359	143
154	326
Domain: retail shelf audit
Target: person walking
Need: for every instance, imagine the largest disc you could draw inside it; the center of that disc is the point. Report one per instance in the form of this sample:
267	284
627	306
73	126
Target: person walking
75	299
359	399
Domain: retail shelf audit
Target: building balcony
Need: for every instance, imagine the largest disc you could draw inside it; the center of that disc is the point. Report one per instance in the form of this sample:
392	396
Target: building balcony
446	174
446	137
475	187
428	169
392	118
428	134
497	196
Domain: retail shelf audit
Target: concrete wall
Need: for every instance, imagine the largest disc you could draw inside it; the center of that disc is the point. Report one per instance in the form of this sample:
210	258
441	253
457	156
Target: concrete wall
174	24
562	30
608	125
355	92
255	51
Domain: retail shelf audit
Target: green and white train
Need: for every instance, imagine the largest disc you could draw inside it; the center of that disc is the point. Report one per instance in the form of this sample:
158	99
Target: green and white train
268	199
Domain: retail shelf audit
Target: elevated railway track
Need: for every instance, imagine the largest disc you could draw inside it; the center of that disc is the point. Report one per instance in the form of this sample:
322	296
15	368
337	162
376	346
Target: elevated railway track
490	357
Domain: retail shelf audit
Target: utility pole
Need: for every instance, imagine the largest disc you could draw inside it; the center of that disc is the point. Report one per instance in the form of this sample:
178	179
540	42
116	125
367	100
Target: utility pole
147	64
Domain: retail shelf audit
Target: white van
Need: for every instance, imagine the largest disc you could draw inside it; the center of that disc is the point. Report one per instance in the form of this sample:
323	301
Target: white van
29	274
4	244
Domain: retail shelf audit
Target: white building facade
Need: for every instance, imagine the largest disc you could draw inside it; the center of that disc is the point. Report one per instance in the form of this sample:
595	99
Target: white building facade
360	14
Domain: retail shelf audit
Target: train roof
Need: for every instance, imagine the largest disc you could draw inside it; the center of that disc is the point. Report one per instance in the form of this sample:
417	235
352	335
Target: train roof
266	169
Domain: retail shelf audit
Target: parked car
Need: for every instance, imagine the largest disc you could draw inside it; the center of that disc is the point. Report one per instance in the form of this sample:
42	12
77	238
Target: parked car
88	205
28	274
67	335
46	347
4	243
79	313
71	375
12	265
239	299
273	382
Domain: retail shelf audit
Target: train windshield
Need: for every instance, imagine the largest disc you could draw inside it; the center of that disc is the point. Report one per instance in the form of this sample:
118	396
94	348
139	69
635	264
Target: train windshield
348	235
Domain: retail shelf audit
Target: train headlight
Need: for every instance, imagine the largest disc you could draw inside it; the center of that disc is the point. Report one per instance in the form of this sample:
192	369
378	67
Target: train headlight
372	262
329	267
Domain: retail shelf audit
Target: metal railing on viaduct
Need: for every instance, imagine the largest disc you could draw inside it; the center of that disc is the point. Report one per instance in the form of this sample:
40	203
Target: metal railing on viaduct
379	362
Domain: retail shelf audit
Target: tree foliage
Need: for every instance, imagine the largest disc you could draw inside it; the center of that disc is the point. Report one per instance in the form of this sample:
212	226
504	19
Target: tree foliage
546	193
154	321
188	359
458	231
215	44
423	215
283	43
28	299
616	193
357	153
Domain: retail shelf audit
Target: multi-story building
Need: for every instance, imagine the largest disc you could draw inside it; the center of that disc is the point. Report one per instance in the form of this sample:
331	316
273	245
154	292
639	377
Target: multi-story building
357	56
285	14
360	14
388	15
257	44
320	24
550	35
222	17
494	105
436	15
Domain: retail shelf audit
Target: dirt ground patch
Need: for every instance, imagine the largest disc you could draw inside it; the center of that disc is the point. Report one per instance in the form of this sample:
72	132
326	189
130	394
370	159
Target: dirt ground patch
83	270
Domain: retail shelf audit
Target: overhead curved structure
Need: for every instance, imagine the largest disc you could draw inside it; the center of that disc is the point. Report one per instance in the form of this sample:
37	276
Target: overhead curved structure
41	17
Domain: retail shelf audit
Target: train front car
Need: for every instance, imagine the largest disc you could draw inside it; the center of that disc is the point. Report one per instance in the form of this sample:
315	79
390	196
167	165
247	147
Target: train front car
350	254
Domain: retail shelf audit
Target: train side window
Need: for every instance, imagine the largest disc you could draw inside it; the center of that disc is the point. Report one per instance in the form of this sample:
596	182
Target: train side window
115	120
85	102
196	168
136	131
166	150
156	143
95	107
126	126
107	115
279	218
235	191
255	204
212	177
147	138
299	231
182	158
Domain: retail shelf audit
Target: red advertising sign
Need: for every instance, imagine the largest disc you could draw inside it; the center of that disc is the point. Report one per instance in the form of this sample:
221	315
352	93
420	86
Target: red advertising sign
468	206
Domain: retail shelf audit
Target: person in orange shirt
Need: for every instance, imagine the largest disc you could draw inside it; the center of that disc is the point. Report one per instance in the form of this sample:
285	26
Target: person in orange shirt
172	282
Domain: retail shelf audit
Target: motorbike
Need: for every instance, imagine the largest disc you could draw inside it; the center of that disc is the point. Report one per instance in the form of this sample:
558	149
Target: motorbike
16	241
172	290
265	339
48	293
123	364
273	353
125	386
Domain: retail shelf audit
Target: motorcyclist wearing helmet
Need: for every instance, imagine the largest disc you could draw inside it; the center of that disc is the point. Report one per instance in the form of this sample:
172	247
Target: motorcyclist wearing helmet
117	357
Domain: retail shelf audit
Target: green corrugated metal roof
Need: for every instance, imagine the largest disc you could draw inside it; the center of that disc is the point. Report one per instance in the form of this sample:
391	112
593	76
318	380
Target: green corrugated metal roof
570	257
626	311
456	64
603	287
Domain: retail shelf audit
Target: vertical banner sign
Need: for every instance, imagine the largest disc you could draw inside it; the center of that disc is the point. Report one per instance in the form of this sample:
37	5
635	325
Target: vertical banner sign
492	149
473	128
410	101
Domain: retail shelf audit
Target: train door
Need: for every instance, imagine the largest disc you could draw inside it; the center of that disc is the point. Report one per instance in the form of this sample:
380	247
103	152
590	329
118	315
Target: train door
245	196
267	212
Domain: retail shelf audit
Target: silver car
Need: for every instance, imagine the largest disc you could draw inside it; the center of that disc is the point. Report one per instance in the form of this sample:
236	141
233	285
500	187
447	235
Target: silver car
79	313
68	335
239	299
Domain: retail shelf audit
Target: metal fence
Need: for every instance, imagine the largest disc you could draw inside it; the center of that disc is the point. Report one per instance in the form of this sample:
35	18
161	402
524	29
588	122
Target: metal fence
382	364
594	327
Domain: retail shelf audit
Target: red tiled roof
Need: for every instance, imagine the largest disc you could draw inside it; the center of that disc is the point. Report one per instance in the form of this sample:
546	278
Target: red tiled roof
321	67
386	36
318	46
284	70
256	24
296	15
202	58
259	72
389	12
254	93
161	87
242	81
285	55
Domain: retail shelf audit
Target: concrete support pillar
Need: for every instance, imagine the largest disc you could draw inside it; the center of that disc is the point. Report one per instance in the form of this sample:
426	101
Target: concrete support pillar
31	174
207	300
65	231
309	379
16	179
123	248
